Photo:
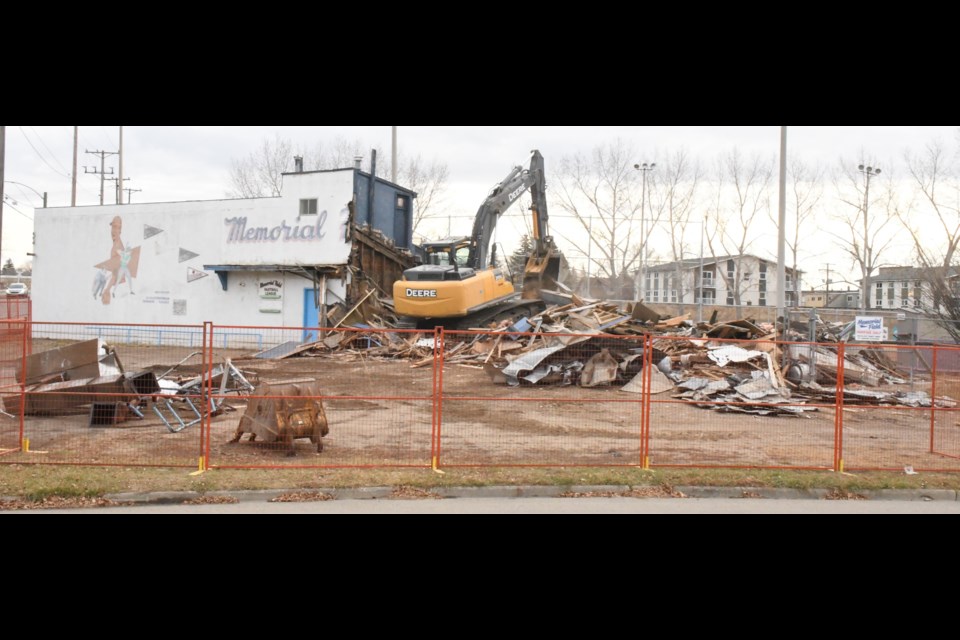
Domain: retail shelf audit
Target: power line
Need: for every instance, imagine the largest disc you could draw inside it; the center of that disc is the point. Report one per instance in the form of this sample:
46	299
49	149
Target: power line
109	139
52	154
40	155
26	196
102	172
9	201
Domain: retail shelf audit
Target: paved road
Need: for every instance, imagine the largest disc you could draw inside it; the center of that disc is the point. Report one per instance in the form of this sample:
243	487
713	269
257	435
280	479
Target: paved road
519	506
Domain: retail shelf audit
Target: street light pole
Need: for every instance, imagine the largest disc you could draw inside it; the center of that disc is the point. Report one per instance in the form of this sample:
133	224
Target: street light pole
43	196
644	168
867	263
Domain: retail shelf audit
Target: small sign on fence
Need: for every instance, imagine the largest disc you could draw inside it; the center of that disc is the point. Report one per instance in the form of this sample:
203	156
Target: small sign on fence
869	329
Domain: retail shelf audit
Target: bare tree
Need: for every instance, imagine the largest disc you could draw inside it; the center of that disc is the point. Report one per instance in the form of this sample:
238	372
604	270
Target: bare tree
260	174
672	199
867	234
742	195
935	173
428	179
601	191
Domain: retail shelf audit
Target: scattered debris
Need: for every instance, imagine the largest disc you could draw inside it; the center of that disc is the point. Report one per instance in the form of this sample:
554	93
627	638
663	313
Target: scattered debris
304	496
574	342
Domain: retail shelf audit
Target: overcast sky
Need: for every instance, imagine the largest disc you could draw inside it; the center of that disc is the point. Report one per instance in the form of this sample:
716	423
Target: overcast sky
192	163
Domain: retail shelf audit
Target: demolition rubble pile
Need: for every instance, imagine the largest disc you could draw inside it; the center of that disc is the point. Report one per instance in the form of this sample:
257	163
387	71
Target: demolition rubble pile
89	377
580	343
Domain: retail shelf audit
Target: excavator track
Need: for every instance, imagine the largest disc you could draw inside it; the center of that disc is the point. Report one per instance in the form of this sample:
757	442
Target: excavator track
510	312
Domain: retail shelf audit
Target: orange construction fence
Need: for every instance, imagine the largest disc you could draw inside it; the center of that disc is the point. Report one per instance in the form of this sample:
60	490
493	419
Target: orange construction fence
214	396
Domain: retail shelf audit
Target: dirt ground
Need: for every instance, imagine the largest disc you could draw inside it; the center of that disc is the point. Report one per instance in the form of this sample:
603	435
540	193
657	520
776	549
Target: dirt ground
381	413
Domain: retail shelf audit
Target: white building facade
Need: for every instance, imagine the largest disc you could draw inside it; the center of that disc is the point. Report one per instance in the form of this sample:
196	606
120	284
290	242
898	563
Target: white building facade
746	280
247	262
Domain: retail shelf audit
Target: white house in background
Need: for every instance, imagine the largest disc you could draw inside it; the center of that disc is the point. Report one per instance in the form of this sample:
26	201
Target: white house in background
718	280
849	299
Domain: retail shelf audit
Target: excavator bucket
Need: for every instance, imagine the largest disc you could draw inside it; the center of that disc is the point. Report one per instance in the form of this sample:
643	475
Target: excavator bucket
285	411
543	272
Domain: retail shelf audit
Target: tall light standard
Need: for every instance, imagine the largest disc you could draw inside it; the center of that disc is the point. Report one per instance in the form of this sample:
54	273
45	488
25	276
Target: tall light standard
645	168
867	264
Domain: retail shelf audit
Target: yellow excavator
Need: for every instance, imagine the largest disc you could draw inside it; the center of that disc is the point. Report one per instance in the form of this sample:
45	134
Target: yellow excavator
458	289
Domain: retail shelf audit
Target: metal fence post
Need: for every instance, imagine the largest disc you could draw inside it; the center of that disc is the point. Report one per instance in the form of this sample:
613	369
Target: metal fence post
933	397
206	389
645	402
438	349
838	419
24	443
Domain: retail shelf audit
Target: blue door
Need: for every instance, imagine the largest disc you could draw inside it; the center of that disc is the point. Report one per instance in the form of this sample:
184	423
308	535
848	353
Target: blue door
311	316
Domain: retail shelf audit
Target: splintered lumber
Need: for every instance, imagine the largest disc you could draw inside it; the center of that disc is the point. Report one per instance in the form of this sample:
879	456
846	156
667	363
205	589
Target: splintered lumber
675	322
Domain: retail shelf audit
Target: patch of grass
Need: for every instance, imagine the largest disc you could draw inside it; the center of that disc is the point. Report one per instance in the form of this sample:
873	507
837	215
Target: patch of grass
38	483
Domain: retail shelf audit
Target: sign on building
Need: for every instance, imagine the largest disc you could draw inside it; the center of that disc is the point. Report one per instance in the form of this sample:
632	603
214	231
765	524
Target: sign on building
869	329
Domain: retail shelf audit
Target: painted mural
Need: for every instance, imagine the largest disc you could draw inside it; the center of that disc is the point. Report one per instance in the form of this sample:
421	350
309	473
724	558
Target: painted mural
120	268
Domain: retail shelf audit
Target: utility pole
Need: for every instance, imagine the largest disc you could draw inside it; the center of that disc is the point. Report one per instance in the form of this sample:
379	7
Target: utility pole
120	181
117	189
130	191
393	164
827	281
3	155
103	171
782	237
73	174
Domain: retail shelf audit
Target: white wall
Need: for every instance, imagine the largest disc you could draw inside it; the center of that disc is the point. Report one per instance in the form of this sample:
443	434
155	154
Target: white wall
176	240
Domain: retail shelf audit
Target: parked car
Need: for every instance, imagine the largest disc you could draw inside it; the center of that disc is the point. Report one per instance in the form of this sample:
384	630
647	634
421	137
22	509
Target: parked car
17	289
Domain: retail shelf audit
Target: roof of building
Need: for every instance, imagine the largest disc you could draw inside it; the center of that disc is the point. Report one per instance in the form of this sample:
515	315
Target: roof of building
708	261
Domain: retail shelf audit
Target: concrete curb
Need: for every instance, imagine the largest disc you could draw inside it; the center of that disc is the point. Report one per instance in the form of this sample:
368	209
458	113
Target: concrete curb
387	493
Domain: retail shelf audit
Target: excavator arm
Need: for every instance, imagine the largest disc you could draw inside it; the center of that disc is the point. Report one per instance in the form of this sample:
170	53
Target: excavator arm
500	199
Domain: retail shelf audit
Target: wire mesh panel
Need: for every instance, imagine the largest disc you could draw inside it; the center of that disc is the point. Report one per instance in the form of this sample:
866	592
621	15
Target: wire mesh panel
322	398
730	403
893	399
945	422
540	400
112	395
11	357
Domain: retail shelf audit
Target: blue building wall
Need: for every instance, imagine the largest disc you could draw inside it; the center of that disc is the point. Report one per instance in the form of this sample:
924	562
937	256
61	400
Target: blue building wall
392	211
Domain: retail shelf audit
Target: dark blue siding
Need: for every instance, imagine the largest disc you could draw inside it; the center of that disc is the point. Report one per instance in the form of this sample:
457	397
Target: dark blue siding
395	223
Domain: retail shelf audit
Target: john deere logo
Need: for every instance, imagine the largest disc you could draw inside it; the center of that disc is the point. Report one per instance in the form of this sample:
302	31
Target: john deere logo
421	293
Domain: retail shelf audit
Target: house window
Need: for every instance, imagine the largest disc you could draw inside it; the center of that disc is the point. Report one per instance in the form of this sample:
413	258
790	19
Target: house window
708	297
904	293
308	207
673	296
706	278
890	292
763	300
917	294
